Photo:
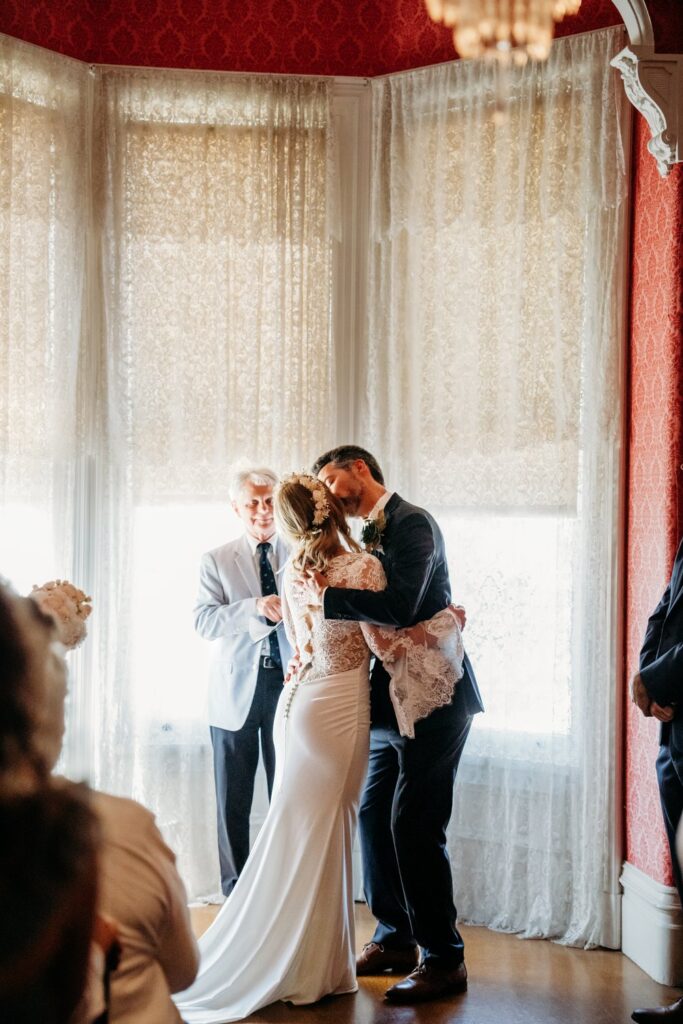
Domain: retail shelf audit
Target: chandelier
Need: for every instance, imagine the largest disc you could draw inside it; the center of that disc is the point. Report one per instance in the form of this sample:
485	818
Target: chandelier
504	30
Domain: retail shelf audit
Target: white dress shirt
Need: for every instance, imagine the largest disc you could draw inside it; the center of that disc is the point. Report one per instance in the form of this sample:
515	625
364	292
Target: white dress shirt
379	505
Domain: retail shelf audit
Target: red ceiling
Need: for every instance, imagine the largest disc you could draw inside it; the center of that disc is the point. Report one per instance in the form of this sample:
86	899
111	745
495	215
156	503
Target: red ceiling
328	37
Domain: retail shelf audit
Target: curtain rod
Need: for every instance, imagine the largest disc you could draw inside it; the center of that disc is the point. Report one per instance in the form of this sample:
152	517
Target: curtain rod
342	79
458	60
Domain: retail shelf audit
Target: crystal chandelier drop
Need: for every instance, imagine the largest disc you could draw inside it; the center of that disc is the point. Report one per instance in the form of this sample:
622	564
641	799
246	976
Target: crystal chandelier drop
504	30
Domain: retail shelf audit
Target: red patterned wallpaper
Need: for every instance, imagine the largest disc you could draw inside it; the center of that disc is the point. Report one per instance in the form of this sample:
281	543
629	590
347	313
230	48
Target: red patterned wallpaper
667	23
655	511
324	37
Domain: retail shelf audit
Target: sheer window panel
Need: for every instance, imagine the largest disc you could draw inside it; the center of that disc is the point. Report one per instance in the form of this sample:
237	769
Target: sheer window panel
218	227
43	222
519	628
218	220
492	392
168	736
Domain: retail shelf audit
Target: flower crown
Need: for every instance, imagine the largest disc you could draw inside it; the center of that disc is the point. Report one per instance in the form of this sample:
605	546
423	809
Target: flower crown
319	492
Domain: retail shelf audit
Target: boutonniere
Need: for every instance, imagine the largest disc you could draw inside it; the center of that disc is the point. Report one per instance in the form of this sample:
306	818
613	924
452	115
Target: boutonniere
371	534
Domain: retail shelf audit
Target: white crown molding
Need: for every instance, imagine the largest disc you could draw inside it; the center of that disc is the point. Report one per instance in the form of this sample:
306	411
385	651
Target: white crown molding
636	17
653	83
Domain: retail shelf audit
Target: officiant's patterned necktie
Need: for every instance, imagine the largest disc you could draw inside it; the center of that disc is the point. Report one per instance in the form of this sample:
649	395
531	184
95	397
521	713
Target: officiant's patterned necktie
268	586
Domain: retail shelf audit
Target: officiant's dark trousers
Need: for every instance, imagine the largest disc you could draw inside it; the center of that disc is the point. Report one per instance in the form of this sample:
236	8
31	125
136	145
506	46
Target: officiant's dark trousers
405	809
235	760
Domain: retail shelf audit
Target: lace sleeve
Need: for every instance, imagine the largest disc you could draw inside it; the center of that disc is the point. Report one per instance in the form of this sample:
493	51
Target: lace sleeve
388	644
385	642
424	663
372	575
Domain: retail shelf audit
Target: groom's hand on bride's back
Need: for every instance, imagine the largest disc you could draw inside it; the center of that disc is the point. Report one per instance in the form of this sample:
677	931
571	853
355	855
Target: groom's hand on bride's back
313	584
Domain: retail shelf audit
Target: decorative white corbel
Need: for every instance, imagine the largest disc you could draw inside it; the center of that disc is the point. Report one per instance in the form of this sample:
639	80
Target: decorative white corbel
653	83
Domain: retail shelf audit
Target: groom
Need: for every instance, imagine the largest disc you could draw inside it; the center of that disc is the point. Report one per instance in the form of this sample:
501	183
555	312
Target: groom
408	794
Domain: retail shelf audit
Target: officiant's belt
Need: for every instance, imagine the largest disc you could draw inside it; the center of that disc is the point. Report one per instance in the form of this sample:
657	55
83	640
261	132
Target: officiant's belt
267	662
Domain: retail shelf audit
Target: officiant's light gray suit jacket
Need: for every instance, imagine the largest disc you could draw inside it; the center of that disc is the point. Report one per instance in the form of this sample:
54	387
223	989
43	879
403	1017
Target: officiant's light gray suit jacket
225	613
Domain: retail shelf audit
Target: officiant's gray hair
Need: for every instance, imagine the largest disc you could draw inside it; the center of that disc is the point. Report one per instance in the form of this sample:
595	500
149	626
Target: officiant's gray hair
259	475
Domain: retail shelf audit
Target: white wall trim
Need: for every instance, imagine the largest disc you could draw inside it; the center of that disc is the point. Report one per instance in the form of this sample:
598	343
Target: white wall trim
653	83
652	926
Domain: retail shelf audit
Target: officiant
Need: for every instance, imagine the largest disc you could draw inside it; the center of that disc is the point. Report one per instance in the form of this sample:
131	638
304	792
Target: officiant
238	609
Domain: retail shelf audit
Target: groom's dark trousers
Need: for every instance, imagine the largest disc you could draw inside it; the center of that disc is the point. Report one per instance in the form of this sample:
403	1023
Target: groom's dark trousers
404	812
407	801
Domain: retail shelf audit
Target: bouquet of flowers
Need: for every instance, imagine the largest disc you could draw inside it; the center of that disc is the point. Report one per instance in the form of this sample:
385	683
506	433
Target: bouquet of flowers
68	606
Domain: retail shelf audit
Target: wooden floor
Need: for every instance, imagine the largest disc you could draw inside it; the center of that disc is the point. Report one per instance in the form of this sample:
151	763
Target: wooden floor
511	981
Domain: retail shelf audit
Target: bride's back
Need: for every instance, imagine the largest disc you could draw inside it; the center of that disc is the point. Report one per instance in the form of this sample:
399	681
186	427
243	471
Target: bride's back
330	646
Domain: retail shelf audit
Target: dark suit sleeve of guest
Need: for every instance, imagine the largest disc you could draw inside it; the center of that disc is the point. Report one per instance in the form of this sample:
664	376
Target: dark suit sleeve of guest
653	633
409	572
663	678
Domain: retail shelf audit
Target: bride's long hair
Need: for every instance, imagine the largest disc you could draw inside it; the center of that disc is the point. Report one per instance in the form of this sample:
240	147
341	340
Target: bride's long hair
313	543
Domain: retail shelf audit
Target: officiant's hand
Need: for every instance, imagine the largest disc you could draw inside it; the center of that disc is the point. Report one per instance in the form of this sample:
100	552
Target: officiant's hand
270	607
640	696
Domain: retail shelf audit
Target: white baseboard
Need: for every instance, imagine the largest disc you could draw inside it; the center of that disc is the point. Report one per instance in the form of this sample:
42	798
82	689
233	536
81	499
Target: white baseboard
652	926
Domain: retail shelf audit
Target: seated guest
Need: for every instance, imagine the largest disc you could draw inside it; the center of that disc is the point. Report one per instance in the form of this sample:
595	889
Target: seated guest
142	890
48	892
139	885
33	688
48	856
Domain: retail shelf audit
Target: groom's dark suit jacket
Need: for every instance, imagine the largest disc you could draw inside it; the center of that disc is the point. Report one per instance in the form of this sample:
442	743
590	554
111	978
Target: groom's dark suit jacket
414	560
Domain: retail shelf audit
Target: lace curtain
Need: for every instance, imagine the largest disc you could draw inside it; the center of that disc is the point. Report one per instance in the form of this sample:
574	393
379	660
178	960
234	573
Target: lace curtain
165	247
219	195
43	102
492	391
217	214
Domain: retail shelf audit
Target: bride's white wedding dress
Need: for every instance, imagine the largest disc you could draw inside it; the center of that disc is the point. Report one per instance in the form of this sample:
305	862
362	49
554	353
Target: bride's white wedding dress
287	930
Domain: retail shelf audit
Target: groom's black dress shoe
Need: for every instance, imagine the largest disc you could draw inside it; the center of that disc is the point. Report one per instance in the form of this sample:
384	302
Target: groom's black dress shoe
428	982
376	959
660	1013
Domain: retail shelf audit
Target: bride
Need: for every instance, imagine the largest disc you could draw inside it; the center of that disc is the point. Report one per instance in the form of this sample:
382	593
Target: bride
286	932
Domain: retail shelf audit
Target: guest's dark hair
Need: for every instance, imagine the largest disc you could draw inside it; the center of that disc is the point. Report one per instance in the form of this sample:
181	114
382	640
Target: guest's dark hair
48	897
16	722
344	455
